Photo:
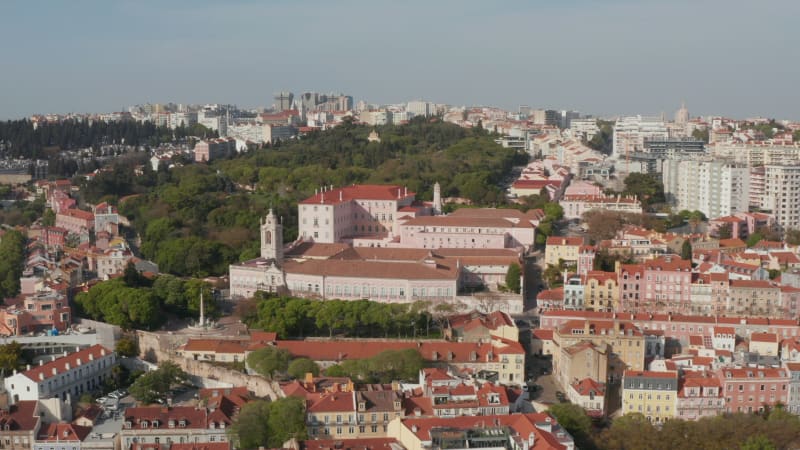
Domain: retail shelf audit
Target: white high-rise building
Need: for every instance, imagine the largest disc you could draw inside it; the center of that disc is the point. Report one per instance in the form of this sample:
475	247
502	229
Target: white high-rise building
782	194
631	132
716	188
682	115
421	108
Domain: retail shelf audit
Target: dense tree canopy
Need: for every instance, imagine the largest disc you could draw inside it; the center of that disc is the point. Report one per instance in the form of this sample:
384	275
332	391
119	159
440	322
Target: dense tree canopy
156	384
10	357
646	187
141	306
21	140
12	256
299	367
197	219
603	140
776	429
300	317
269	361
513	277
385	367
269	424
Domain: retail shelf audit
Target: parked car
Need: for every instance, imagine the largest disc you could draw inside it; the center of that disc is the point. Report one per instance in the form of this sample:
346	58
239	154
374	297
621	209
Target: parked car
115	395
102	400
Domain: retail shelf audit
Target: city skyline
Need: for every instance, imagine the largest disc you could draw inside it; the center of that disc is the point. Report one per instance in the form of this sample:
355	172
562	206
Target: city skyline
618	58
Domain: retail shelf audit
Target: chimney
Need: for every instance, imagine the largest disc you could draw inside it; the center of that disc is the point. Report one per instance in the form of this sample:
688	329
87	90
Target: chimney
405	190
41	362
586	327
28	367
41	376
68	366
55	372
91	356
340	196
79	361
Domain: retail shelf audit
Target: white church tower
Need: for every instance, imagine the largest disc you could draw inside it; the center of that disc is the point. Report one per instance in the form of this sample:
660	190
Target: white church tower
437	199
272	238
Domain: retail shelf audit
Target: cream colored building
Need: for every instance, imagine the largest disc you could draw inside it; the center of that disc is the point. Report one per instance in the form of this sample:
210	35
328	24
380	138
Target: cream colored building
622	342
562	248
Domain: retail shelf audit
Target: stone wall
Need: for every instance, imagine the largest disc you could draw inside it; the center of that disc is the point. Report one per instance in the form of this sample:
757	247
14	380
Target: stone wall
155	347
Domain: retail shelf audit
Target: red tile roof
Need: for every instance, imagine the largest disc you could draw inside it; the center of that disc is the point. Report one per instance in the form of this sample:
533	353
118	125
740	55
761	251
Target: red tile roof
350	444
63	432
72	360
338	350
20	416
564	240
544	335
373	269
78	213
764	337
587	386
193	417
358	192
522	424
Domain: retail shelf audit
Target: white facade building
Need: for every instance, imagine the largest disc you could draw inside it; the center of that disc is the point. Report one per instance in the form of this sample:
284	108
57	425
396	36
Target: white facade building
782	194
421	108
631	132
715	188
66	377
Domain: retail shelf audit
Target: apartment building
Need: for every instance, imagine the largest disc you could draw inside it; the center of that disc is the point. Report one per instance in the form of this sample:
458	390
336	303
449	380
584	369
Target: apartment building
631	132
69	376
620	343
652	394
752	389
562	248
700	396
782	194
716	188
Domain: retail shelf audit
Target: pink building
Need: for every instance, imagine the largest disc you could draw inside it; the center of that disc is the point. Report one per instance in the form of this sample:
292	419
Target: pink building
60	201
75	221
458	232
750	390
630	278
54	237
667	284
378	281
580	187
680	327
700	395
205	151
340	214
37	312
586	254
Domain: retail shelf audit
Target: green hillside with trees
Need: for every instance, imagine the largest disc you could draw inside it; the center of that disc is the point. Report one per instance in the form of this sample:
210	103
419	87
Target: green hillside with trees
197	219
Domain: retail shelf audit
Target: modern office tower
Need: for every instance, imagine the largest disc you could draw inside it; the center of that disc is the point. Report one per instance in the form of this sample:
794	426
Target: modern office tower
283	101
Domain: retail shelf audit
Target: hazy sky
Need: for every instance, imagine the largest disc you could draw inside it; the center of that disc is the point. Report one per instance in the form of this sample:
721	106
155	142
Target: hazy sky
734	57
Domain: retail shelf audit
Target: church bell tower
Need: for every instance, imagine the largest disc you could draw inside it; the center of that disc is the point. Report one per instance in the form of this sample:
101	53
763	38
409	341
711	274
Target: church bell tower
272	238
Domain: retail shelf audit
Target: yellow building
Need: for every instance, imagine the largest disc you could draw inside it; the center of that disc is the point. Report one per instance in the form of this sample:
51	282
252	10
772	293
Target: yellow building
652	394
562	248
621	341
600	292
